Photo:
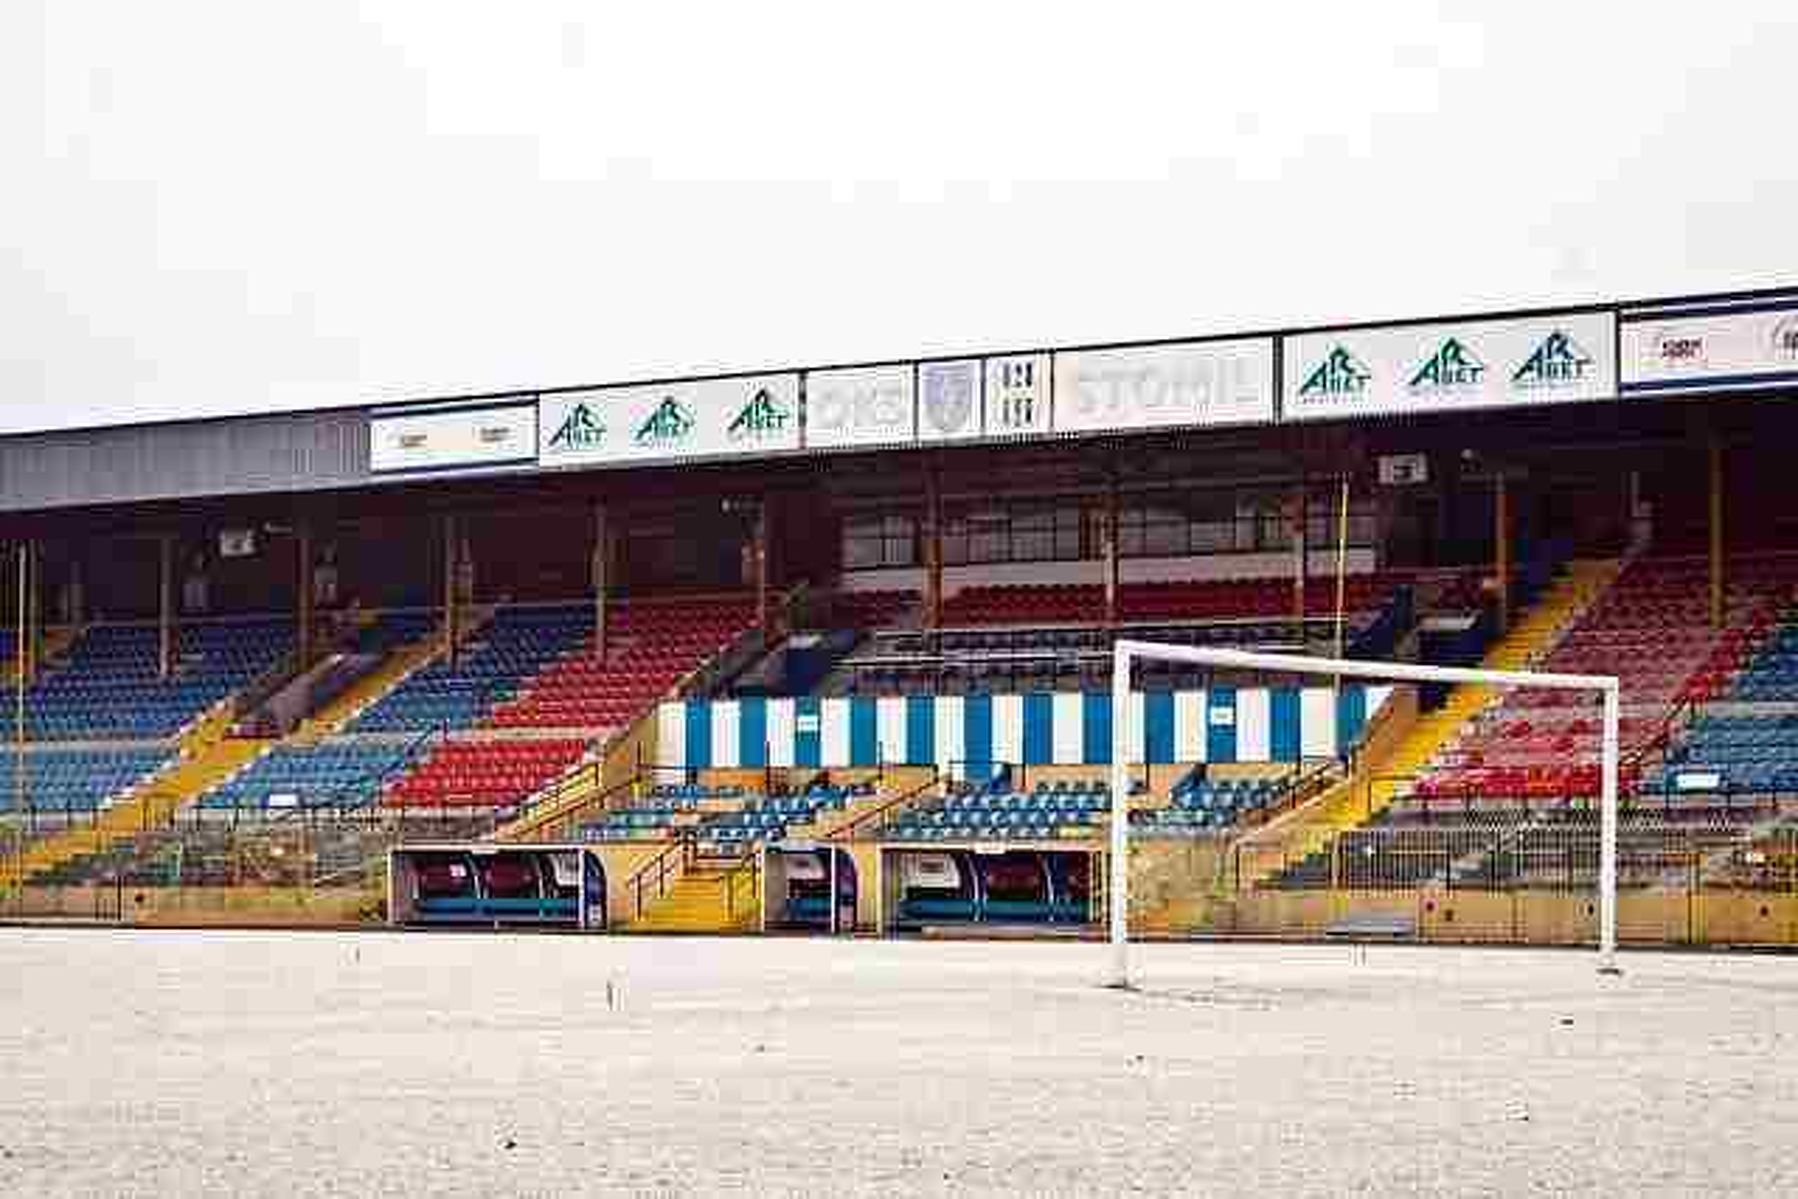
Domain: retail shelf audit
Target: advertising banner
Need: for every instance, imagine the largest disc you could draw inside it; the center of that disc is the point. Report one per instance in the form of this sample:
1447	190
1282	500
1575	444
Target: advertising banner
859	406
1015	388
702	418
444	439
1445	367
1710	348
1159	387
949	400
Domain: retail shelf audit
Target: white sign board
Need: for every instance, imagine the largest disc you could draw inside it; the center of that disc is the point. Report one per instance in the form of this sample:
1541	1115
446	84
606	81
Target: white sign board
1161	387
745	415
1015	388
859	406
949	400
1705	349
237	543
468	437
930	872
1404	470
1449	367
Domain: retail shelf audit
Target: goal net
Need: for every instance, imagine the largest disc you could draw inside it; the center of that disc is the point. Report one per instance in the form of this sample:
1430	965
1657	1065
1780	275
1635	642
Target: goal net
1129	655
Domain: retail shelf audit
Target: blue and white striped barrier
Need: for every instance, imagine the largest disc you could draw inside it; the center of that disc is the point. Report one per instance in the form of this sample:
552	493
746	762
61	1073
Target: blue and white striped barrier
1064	728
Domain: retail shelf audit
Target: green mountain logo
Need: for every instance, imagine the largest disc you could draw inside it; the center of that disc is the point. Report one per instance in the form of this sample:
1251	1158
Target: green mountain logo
762	417
1557	362
1451	366
669	423
1339	374
581	429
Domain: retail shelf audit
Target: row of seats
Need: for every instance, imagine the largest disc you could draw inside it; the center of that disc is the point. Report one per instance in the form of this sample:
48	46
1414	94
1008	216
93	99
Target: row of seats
1050	809
1058	641
1652	629
1196	804
538	669
1746	753
651	645
331	774
514	645
1772	676
1194	599
105	686
74	780
484	774
388	631
656	814
768	819
1021	638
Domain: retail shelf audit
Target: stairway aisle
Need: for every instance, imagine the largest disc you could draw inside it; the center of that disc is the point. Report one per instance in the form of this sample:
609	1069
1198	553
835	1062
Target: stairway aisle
1377	782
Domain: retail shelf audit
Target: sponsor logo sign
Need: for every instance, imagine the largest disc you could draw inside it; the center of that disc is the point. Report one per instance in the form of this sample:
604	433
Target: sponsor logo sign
949	400
1016	395
859	406
581	429
764	418
1452	367
1558	361
702	418
1467	364
1339	373
667	426
1169	386
1710	348
468	437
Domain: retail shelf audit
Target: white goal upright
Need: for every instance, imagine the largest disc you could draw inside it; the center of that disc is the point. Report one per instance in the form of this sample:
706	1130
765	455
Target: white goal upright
1127	653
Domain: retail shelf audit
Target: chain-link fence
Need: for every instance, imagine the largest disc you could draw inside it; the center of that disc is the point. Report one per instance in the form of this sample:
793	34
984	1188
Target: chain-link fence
1519	880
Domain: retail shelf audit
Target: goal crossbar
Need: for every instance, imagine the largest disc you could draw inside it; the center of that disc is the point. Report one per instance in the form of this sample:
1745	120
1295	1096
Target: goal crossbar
1126	652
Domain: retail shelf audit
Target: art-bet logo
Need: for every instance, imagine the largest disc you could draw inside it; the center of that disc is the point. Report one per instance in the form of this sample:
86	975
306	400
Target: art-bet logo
1784	339
669	424
1557	362
1452	367
581	429
1339	375
761	418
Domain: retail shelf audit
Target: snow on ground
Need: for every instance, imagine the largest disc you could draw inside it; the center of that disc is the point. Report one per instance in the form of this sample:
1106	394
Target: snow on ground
238	1063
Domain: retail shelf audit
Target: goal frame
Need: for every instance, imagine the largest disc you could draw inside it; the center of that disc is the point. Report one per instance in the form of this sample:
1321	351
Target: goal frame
1126	653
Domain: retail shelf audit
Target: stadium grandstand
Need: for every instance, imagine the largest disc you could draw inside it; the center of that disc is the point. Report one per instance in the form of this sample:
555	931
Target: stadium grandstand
829	649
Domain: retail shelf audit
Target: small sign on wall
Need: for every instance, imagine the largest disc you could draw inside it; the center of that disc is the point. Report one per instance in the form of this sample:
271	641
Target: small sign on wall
237	543
1404	470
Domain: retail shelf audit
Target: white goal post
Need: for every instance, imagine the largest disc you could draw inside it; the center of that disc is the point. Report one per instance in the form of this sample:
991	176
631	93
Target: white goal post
1126	653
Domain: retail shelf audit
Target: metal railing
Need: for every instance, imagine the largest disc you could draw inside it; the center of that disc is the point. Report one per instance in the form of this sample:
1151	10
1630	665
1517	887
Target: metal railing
742	886
1529	853
874	823
652	879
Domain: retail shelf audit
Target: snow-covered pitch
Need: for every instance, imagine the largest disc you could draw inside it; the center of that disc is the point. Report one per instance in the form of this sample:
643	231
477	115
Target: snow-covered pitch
260	1063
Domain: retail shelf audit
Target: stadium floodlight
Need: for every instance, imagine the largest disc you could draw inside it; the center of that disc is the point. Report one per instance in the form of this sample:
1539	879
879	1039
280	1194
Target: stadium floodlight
1125	653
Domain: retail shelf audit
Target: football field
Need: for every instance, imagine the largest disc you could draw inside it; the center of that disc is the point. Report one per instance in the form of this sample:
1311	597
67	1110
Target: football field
256	1063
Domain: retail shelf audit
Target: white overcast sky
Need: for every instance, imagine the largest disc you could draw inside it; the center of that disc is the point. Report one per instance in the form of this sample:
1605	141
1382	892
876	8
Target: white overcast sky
241	206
